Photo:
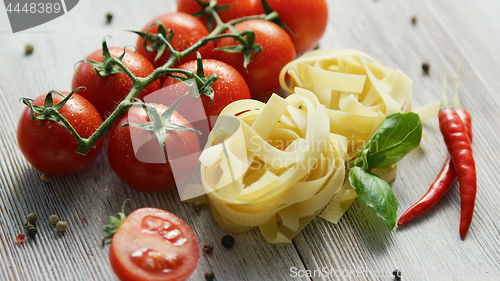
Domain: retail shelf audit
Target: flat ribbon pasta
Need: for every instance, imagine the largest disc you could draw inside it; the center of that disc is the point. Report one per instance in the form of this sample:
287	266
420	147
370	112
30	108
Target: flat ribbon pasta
274	166
357	91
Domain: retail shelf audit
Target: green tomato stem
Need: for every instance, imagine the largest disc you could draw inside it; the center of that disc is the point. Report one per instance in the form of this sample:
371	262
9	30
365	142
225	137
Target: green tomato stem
140	83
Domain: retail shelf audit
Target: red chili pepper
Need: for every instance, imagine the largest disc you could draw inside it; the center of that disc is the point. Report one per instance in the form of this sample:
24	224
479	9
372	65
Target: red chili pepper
448	175
441	184
459	146
458	143
437	190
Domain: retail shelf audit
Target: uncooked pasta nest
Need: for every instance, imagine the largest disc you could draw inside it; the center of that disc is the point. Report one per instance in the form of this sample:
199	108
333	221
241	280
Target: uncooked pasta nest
278	165
357	91
274	166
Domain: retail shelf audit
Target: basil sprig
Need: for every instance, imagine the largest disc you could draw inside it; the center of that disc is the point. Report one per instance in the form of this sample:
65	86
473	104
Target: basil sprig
399	134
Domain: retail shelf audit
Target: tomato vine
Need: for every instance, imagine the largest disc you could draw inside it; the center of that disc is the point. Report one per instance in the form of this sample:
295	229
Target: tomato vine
112	65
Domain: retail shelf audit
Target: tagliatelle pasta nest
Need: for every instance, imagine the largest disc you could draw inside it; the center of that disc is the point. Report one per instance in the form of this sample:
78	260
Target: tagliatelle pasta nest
357	91
277	165
274	166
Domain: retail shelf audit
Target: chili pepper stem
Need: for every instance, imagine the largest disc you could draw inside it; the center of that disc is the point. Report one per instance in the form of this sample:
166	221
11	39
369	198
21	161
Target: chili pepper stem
456	92
445	103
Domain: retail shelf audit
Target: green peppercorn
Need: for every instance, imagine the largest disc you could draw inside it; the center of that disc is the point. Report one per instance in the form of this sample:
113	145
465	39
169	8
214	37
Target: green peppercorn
53	219
210	276
28	49
227	241
31	218
31	231
45	178
61	226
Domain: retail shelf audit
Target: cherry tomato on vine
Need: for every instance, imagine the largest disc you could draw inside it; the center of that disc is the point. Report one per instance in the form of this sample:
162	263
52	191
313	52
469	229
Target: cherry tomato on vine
153	244
187	31
228	88
239	8
49	147
306	19
263	72
106	92
144	167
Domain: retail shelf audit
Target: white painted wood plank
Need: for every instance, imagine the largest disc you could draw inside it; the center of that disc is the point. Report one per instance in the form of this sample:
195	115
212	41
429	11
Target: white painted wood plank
428	249
96	192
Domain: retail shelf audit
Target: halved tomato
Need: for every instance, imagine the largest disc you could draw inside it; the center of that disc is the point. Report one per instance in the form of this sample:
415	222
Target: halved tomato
154	244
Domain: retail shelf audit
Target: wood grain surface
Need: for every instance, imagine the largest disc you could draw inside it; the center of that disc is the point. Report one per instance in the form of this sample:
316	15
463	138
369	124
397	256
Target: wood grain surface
447	34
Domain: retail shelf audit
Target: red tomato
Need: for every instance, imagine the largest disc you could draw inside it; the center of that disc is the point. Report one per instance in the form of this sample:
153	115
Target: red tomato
306	19
263	72
153	244
187	31
49	147
228	88
144	169
239	8
105	93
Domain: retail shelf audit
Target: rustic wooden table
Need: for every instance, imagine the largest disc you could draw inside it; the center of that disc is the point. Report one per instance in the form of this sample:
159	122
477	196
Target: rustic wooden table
447	34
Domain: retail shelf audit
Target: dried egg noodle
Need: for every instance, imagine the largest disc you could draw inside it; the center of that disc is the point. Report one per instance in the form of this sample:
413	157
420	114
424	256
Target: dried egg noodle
278	170
339	99
358	91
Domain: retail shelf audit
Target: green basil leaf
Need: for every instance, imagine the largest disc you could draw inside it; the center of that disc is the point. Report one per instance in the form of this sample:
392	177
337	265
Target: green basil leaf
399	134
375	193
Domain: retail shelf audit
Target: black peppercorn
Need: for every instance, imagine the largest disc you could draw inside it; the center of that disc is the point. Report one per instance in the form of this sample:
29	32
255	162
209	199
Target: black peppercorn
426	68
210	276
31	231
227	241
109	18
397	274
208	248
414	20
196	206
